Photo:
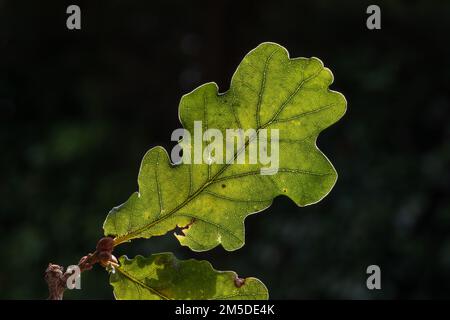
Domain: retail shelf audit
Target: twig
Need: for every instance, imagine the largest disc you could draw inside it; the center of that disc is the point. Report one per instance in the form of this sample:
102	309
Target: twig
56	278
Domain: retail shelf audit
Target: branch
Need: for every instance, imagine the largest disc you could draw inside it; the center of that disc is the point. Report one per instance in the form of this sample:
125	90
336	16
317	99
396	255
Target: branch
56	278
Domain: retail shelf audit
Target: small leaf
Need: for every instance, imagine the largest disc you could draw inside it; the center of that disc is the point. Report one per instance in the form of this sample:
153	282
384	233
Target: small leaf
210	201
162	276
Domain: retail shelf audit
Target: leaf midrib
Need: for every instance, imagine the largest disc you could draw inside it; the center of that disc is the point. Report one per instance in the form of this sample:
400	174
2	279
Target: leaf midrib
131	235
139	282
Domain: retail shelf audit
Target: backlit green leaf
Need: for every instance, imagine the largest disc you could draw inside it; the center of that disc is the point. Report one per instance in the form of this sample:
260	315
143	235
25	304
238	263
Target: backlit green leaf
162	277
270	91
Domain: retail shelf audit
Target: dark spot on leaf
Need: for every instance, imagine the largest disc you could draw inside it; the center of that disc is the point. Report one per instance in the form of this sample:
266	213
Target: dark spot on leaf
239	282
284	190
223	185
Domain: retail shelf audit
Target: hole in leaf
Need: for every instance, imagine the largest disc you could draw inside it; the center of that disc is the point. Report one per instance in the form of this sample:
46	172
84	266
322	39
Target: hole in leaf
179	231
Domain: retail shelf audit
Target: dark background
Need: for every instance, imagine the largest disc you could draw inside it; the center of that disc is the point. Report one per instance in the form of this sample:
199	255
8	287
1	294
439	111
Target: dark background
78	110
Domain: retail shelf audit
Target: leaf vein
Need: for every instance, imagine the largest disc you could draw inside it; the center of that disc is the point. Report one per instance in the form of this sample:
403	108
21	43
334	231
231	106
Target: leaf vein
218	226
220	196
292	95
138	281
263	87
300	115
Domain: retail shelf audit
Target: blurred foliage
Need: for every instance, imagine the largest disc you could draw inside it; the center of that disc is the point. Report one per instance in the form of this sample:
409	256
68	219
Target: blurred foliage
75	118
